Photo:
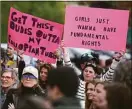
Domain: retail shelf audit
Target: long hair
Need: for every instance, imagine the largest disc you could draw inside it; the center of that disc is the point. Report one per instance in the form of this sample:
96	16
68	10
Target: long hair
43	84
88	103
46	66
123	73
118	95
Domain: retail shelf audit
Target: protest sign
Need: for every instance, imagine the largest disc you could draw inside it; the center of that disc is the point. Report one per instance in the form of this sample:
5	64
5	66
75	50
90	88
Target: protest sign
96	28
37	37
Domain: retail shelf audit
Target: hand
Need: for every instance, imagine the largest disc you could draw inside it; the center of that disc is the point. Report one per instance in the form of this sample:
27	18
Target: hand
118	55
11	106
62	46
20	54
58	53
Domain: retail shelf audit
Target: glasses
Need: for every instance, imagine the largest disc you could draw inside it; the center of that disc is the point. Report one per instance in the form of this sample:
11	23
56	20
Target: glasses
6	77
86	55
28	76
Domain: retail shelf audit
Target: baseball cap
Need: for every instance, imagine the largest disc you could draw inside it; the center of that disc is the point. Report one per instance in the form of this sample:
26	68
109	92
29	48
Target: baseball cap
32	70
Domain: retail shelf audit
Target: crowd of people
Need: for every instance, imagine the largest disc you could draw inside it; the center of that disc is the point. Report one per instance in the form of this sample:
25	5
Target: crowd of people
64	86
45	86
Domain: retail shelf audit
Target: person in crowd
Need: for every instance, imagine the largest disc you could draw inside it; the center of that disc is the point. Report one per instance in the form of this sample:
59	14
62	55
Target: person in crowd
123	73
62	85
11	63
92	58
59	57
35	102
89	86
44	69
111	96
90	72
10	58
87	58
21	64
29	87
38	64
108	63
9	80
3	59
108	76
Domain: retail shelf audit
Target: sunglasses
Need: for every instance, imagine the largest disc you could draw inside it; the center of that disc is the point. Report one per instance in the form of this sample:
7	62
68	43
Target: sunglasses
6	77
90	63
28	76
87	57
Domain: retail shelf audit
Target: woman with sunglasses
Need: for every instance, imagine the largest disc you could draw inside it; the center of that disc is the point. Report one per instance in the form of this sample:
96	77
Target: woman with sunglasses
28	87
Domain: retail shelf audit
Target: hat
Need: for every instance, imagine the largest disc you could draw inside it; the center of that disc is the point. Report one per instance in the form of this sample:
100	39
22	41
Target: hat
32	70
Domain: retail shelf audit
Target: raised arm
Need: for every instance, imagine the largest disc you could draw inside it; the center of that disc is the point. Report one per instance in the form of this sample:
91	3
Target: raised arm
108	76
66	58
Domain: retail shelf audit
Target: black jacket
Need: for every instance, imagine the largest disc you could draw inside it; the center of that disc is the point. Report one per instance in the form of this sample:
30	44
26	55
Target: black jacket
34	102
67	103
43	84
21	66
18	96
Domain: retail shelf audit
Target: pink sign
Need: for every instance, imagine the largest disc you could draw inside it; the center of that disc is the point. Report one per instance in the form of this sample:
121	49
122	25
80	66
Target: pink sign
37	37
96	28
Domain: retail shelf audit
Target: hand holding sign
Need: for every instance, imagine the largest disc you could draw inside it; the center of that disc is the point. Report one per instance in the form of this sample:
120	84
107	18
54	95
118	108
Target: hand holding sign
66	56
59	53
119	55
96	28
63	46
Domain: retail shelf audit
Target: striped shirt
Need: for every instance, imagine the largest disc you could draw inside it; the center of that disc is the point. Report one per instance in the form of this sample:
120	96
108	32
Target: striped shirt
108	76
81	90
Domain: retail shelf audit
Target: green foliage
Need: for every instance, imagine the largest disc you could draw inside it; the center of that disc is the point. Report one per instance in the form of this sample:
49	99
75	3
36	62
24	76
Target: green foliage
53	11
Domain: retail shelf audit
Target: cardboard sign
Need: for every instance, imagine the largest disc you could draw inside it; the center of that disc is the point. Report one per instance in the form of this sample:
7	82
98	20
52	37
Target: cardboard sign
96	28
37	37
